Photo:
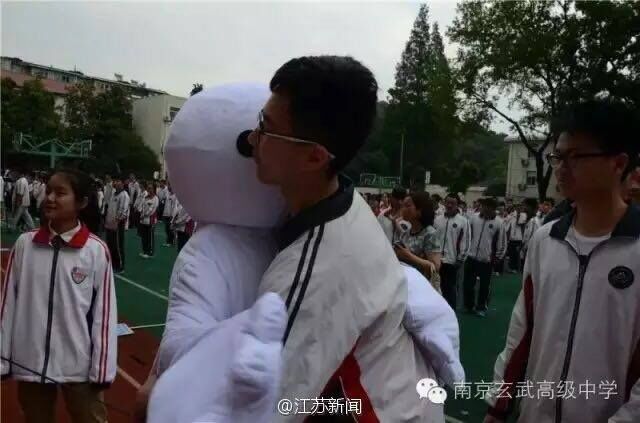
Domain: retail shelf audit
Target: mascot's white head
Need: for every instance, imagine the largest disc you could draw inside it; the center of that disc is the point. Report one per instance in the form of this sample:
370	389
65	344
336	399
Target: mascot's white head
212	180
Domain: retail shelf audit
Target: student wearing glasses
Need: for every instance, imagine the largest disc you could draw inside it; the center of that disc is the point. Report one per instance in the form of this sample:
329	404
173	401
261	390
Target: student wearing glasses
343	287
577	319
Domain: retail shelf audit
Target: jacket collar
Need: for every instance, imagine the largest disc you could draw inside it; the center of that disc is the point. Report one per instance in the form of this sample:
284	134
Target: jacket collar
78	240
627	226
326	210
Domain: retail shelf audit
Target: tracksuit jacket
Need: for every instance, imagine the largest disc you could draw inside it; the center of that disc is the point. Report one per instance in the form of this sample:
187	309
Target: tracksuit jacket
58	309
576	322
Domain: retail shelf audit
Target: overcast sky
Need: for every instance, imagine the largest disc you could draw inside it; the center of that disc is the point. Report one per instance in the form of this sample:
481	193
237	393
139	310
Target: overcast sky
171	45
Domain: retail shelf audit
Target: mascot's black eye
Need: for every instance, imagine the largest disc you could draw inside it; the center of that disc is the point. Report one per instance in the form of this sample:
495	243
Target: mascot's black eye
242	143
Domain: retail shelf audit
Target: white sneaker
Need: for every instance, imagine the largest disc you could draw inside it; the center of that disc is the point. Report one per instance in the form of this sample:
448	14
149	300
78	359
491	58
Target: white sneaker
144	256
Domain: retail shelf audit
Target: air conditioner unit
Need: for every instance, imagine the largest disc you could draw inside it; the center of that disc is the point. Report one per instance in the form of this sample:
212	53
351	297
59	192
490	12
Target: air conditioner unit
525	162
522	187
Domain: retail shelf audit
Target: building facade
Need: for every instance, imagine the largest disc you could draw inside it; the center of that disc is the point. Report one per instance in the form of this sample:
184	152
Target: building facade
522	181
58	81
152	117
153	110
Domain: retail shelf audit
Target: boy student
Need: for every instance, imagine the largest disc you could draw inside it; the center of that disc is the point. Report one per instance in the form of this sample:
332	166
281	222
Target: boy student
115	221
167	214
515	233
576	323
488	246
134	190
453	230
332	254
21	202
148	218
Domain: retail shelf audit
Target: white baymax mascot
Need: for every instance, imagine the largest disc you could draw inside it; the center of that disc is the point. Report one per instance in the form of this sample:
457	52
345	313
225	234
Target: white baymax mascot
219	359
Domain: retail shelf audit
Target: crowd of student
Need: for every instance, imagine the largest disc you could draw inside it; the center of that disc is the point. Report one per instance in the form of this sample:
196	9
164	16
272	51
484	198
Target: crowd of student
441	236
115	204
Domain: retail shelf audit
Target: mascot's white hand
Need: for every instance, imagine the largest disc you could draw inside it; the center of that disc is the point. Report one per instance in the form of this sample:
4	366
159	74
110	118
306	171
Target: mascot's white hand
231	375
254	373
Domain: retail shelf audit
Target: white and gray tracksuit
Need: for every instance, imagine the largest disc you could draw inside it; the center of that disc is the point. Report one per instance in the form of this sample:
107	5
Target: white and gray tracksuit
488	244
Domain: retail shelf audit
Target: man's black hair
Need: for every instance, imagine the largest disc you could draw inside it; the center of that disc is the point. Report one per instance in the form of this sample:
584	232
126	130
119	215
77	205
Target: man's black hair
454	196
332	100
399	193
489	202
613	125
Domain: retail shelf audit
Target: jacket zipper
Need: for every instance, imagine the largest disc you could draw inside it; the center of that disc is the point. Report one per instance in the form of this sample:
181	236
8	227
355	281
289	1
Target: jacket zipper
47	348
484	222
582	270
444	242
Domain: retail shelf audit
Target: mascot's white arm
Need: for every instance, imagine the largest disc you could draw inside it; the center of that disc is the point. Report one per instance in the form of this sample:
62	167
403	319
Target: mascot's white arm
210	384
434	326
194	307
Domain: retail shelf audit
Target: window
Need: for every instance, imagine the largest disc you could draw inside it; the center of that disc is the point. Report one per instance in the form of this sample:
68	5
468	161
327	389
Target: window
531	178
173	111
65	78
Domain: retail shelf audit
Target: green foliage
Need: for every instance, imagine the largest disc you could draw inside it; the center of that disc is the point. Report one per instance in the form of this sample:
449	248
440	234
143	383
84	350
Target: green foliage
423	110
106	119
543	56
103	117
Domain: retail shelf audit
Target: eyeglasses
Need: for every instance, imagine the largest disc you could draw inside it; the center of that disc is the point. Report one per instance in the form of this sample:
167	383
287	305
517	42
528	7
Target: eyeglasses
260	131
555	160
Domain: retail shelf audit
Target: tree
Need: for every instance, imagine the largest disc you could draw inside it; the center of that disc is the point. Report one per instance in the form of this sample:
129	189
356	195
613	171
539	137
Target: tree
106	119
196	89
29	110
543	56
422	106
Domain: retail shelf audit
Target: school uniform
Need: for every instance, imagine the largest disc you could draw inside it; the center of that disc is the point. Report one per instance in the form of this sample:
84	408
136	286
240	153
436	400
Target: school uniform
183	225
138	210
161	193
515	234
22	210
148	220
108	193
41	195
167	215
576	327
454	235
115	221
333	257
134	193
58	321
488	245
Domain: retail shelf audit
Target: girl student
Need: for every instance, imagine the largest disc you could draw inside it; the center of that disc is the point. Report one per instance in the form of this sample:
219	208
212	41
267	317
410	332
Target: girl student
58	308
148	219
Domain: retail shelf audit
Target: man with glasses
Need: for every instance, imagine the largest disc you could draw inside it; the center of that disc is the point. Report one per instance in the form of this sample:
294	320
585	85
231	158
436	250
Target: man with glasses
343	287
576	323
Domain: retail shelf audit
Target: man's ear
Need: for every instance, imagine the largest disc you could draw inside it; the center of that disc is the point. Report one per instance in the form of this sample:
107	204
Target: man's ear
317	158
622	162
83	203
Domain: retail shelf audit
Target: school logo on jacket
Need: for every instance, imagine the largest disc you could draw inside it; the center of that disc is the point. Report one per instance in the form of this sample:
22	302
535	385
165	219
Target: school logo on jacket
621	277
78	275
455	225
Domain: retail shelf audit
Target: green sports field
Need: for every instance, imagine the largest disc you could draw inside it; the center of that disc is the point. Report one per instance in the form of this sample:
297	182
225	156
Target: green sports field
143	287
